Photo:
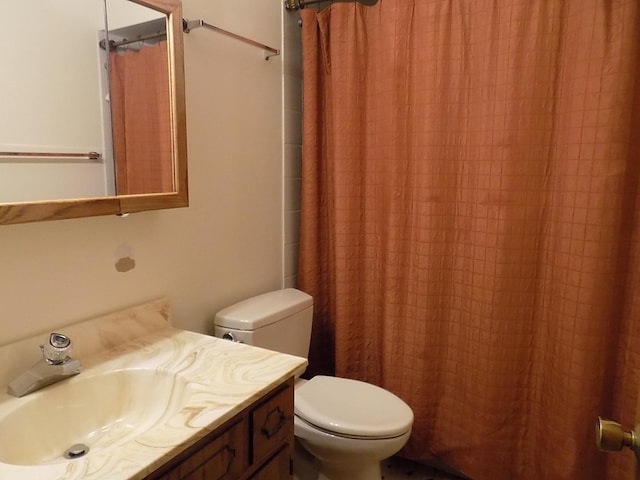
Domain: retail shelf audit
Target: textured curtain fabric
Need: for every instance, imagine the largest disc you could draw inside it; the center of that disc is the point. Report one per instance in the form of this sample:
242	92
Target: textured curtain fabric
141	119
470	222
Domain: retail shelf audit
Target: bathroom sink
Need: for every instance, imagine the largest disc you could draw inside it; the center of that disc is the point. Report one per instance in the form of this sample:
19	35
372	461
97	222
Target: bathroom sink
98	411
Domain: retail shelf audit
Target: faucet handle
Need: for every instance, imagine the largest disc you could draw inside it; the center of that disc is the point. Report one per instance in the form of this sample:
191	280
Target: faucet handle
56	351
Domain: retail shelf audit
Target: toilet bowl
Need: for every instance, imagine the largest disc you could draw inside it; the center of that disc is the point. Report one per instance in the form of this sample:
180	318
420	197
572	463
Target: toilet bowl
340	458
347	426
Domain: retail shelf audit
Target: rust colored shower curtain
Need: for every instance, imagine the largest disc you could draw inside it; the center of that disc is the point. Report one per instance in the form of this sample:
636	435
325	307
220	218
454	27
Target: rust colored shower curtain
470	222
141	119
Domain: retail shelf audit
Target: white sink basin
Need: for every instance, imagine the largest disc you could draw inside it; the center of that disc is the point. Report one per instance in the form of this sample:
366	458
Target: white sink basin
101	411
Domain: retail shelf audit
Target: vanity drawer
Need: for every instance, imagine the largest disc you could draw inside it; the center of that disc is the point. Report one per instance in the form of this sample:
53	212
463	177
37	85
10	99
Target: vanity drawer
272	423
220	457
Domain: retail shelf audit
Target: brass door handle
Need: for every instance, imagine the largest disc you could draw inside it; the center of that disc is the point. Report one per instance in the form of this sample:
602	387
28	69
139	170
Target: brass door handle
611	437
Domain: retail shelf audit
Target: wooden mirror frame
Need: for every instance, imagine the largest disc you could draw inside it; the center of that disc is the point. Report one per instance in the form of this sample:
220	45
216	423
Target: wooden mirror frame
22	212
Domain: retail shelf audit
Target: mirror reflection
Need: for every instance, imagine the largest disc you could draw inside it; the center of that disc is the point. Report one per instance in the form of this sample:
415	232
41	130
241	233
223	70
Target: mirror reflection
60	101
139	98
50	97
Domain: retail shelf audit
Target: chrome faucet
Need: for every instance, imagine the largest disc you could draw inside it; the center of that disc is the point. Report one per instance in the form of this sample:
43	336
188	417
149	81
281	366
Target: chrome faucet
55	365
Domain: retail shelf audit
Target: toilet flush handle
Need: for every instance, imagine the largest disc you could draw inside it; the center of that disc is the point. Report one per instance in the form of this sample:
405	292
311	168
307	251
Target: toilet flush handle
611	437
229	336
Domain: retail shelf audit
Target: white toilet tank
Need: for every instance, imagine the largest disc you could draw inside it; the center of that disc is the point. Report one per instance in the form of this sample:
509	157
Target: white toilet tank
279	320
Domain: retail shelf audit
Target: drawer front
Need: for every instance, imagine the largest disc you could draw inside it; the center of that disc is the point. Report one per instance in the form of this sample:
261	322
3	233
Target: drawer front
272	424
224	457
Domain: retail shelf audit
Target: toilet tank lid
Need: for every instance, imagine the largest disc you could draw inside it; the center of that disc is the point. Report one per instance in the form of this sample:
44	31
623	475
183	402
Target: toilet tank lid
262	310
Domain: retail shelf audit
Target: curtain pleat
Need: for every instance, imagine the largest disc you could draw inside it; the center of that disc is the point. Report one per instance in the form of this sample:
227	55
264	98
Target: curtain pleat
470	222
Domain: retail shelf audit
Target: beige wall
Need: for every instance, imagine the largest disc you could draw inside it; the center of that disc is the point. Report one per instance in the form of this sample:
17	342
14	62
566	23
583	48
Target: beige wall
227	245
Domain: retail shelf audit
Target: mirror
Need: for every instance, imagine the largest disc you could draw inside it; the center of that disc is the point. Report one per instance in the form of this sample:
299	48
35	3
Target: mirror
57	108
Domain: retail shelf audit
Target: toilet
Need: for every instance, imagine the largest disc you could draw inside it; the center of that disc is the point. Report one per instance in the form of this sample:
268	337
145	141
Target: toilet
344	428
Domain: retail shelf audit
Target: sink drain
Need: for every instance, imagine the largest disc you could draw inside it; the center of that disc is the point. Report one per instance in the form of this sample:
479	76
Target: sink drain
76	451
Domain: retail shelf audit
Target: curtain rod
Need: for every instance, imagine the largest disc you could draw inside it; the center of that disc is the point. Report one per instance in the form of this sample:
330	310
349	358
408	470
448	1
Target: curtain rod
189	25
114	45
293	5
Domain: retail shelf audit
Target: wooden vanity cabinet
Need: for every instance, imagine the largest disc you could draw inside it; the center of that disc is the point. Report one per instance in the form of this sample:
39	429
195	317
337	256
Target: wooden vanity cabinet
256	444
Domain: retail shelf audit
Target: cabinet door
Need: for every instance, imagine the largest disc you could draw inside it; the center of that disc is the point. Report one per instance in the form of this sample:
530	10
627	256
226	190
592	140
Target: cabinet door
224	457
278	468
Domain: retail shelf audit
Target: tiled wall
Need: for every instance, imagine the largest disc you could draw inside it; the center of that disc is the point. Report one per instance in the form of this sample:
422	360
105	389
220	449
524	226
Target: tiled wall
292	98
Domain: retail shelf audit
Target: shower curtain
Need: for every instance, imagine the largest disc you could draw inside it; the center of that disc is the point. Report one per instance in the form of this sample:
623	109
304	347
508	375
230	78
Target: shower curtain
141	120
470	222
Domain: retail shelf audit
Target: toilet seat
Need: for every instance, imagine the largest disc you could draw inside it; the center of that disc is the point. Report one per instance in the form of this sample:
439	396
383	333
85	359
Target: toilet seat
352	408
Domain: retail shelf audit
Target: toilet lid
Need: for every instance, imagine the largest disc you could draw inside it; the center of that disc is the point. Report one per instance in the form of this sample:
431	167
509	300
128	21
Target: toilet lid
351	407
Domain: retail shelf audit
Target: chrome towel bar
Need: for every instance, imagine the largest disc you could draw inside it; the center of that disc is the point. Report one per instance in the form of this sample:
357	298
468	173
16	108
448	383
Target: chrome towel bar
189	25
89	155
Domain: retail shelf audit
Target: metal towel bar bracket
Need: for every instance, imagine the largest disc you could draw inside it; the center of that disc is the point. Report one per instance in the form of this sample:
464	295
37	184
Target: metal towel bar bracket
189	25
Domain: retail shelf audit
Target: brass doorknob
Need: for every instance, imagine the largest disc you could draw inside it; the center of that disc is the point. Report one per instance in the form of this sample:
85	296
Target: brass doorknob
611	437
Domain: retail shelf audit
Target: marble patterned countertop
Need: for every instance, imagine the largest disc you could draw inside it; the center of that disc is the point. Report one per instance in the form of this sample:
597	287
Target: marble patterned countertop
216	379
